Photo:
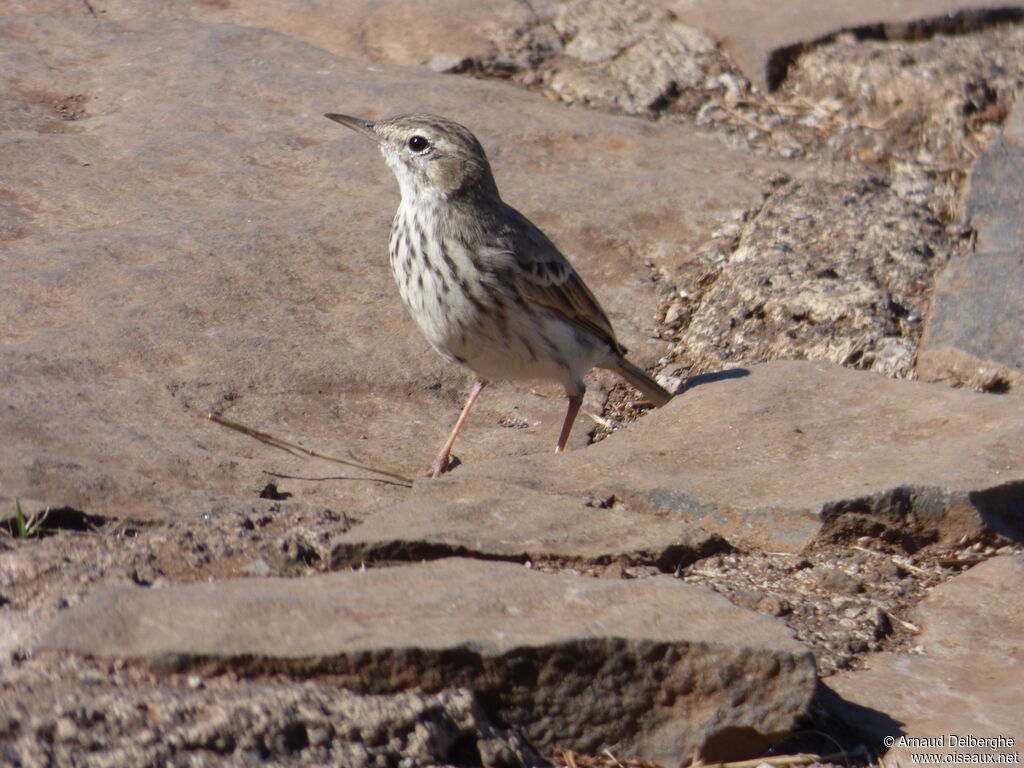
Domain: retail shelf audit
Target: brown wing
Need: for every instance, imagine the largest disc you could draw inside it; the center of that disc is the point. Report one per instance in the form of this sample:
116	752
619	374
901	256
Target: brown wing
547	279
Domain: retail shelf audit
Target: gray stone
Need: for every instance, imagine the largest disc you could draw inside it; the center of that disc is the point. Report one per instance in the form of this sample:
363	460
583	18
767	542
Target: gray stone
773	458
975	334
650	668
994	205
395	32
1013	128
838	271
522	524
172	246
629	56
763	38
965	675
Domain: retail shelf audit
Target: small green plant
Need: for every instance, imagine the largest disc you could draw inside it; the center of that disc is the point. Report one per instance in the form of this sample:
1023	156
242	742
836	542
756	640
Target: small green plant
22	527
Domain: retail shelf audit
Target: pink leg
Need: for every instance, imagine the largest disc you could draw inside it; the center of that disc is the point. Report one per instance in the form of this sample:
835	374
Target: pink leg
441	463
575	401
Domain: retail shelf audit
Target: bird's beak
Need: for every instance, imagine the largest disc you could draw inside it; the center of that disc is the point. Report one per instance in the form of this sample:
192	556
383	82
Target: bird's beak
364	127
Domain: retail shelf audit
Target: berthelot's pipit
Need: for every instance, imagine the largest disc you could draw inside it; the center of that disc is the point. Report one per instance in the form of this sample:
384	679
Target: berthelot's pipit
486	287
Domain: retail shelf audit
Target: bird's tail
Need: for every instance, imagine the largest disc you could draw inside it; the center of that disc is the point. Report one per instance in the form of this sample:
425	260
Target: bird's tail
640	379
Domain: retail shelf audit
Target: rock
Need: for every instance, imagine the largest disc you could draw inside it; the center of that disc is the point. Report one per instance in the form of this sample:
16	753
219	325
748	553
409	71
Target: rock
975	334
994	205
876	106
853	292
837	580
260	720
181	231
629	56
394	32
651	668
770	36
16	630
492	519
174	246
772	458
966	681
1013	129
961	369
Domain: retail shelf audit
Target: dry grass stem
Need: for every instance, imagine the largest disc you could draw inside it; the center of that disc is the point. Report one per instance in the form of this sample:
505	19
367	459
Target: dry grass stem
284	445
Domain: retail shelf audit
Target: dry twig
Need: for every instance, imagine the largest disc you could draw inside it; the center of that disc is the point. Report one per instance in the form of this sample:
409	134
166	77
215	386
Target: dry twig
284	445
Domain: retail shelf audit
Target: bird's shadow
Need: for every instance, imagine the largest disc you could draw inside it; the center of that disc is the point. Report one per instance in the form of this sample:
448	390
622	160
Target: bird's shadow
711	378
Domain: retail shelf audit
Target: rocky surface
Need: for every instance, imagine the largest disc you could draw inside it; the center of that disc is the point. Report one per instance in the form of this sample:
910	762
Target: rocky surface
485	627
963	678
768	40
182	232
265	293
850	103
390	32
976	332
774	458
131	719
994	201
838	271
631	56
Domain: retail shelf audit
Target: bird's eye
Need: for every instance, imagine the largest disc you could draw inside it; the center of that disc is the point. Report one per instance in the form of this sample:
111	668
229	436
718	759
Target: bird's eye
418	143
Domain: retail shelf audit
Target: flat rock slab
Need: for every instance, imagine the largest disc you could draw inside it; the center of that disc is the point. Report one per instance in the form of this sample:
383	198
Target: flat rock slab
968	680
994	205
975	333
492	519
192	235
769	34
770	458
369	30
648	668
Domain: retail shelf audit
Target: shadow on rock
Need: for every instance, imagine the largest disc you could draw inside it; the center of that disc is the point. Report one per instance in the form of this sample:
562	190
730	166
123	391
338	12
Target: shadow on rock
843	726
711	378
1000	509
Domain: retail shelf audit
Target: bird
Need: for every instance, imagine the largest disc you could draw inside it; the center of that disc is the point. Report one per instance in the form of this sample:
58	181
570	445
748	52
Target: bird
487	288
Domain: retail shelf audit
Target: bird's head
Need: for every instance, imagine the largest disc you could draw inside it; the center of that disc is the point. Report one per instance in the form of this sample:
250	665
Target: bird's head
429	155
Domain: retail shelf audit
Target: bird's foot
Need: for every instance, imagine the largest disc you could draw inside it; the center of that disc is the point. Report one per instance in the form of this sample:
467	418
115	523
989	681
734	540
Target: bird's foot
442	465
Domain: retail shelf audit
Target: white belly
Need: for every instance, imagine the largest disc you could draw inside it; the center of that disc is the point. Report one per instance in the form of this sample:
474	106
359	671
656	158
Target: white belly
470	319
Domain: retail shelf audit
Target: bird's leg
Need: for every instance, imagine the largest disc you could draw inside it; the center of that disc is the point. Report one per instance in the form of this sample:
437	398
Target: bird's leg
575	401
441	463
